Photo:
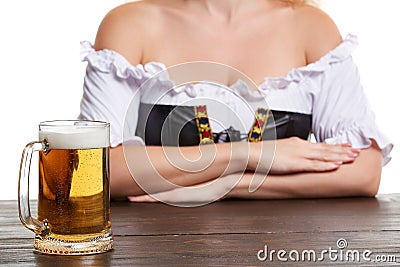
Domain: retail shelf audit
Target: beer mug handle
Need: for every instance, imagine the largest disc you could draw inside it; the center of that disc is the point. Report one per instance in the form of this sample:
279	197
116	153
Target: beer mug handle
33	224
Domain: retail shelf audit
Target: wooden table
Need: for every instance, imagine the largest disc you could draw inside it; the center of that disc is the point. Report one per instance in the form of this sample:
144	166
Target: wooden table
231	232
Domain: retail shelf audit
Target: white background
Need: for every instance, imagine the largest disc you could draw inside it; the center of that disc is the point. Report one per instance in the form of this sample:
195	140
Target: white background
41	74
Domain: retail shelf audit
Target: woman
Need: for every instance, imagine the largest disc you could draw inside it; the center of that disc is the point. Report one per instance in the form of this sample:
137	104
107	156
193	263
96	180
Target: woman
265	40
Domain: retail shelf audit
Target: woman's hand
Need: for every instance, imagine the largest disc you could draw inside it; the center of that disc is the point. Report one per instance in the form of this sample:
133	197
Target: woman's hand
293	155
195	195
283	156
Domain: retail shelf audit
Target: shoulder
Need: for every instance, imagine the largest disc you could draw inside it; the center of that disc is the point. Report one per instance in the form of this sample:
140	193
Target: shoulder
318	31
124	28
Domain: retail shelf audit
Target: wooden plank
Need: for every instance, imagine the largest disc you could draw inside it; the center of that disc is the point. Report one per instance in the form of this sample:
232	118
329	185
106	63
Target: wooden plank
225	233
218	250
9	220
240	216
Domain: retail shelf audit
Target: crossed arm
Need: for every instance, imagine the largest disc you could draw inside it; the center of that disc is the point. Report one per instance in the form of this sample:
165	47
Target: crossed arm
298	169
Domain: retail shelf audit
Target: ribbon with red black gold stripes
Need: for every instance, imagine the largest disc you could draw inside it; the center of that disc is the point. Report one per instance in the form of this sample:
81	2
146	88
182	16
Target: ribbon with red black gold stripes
259	124
203	125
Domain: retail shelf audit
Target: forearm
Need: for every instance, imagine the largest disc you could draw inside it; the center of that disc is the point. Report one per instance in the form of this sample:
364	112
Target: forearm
359	178
156	169
182	166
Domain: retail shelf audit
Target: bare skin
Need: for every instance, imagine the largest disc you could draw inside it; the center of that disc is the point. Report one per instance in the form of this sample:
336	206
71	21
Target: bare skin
261	38
340	182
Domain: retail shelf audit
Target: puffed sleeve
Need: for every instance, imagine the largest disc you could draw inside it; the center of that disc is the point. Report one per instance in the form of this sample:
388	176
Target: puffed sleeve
341	111
111	86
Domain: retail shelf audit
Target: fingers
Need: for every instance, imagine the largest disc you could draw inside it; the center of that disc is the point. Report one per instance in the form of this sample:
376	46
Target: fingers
142	198
192	195
297	155
342	153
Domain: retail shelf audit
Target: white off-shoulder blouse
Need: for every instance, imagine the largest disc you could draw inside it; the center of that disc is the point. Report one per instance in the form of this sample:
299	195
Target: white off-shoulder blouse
328	89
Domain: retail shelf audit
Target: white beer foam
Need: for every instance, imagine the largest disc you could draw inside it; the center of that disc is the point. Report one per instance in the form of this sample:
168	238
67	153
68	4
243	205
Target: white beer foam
75	138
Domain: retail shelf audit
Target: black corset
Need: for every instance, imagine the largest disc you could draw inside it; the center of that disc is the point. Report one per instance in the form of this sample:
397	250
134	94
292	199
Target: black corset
171	125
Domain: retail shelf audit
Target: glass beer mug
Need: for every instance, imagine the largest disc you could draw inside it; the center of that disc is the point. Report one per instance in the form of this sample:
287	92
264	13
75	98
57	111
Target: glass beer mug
73	202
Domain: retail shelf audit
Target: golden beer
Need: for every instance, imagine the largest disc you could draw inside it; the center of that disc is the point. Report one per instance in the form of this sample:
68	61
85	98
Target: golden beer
73	192
74	200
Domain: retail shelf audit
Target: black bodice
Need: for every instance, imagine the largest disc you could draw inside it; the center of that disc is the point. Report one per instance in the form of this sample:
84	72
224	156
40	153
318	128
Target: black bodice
171	125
